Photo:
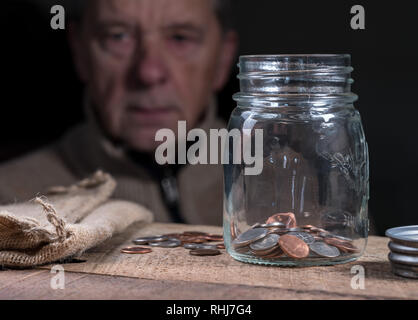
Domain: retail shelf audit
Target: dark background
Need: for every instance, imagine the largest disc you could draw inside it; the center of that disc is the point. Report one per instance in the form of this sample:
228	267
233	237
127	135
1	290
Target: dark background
41	95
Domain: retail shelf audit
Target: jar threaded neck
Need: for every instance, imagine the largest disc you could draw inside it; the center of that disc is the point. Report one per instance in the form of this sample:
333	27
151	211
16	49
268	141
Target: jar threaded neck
282	78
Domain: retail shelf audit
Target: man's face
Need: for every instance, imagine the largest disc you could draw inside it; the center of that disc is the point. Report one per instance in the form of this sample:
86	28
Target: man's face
149	63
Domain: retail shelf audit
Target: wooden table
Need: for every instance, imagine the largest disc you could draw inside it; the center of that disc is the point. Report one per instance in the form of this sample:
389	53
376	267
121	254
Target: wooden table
174	274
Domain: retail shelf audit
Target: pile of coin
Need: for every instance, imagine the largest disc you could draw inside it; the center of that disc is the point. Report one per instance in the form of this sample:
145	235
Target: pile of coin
199	243
280	236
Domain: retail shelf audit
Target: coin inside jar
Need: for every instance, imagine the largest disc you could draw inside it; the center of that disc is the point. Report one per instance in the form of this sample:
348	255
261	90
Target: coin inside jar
287	218
276	253
136	250
344	246
264	253
324	250
204	252
269	241
272	225
249	236
331	235
308	238
293	246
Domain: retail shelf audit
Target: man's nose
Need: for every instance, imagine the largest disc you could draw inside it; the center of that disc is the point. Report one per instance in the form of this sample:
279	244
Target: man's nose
150	66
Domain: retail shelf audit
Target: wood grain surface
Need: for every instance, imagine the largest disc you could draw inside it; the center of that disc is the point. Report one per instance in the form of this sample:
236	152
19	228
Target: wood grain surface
175	274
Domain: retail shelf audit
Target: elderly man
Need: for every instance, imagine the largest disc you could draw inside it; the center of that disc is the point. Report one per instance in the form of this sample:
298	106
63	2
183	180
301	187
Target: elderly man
146	65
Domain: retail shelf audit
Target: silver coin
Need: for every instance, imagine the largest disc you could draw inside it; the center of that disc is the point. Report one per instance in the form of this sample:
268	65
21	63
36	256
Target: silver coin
268	242
249	236
273	225
146	240
242	250
194	246
324	250
263	253
170	243
324	234
308	238
279	231
295	230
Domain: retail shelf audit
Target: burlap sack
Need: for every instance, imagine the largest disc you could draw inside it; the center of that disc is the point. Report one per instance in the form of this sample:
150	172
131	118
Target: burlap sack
65	222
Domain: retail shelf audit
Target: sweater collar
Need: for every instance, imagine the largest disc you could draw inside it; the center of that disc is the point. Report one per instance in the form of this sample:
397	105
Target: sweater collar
119	151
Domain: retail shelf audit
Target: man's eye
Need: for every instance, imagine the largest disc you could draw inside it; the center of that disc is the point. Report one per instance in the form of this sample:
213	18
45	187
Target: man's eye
183	44
180	38
119	42
120	36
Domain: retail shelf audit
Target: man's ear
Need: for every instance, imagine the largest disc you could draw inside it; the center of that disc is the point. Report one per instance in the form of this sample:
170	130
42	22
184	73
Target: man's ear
227	58
78	50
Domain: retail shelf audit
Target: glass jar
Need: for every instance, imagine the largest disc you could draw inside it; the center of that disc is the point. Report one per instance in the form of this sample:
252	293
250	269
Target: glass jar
308	206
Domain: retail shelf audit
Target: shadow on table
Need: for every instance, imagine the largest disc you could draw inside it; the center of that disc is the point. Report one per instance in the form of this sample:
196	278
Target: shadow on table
380	270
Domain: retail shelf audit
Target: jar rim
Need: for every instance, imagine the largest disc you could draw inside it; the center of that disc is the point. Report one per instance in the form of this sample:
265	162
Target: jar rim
278	63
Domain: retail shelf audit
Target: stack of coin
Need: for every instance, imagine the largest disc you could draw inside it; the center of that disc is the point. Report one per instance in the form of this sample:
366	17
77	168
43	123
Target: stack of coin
280	236
403	254
200	243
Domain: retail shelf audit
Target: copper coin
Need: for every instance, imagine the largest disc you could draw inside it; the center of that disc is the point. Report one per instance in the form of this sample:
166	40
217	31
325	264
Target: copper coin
233	231
194	239
308	226
293	246
204	252
343	245
319	231
287	218
173	235
214	237
220	246
194	233
136	250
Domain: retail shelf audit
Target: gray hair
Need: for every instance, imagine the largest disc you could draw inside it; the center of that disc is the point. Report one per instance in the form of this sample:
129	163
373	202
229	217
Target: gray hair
223	10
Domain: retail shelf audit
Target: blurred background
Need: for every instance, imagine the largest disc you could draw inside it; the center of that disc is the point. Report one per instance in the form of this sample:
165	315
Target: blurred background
41	95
